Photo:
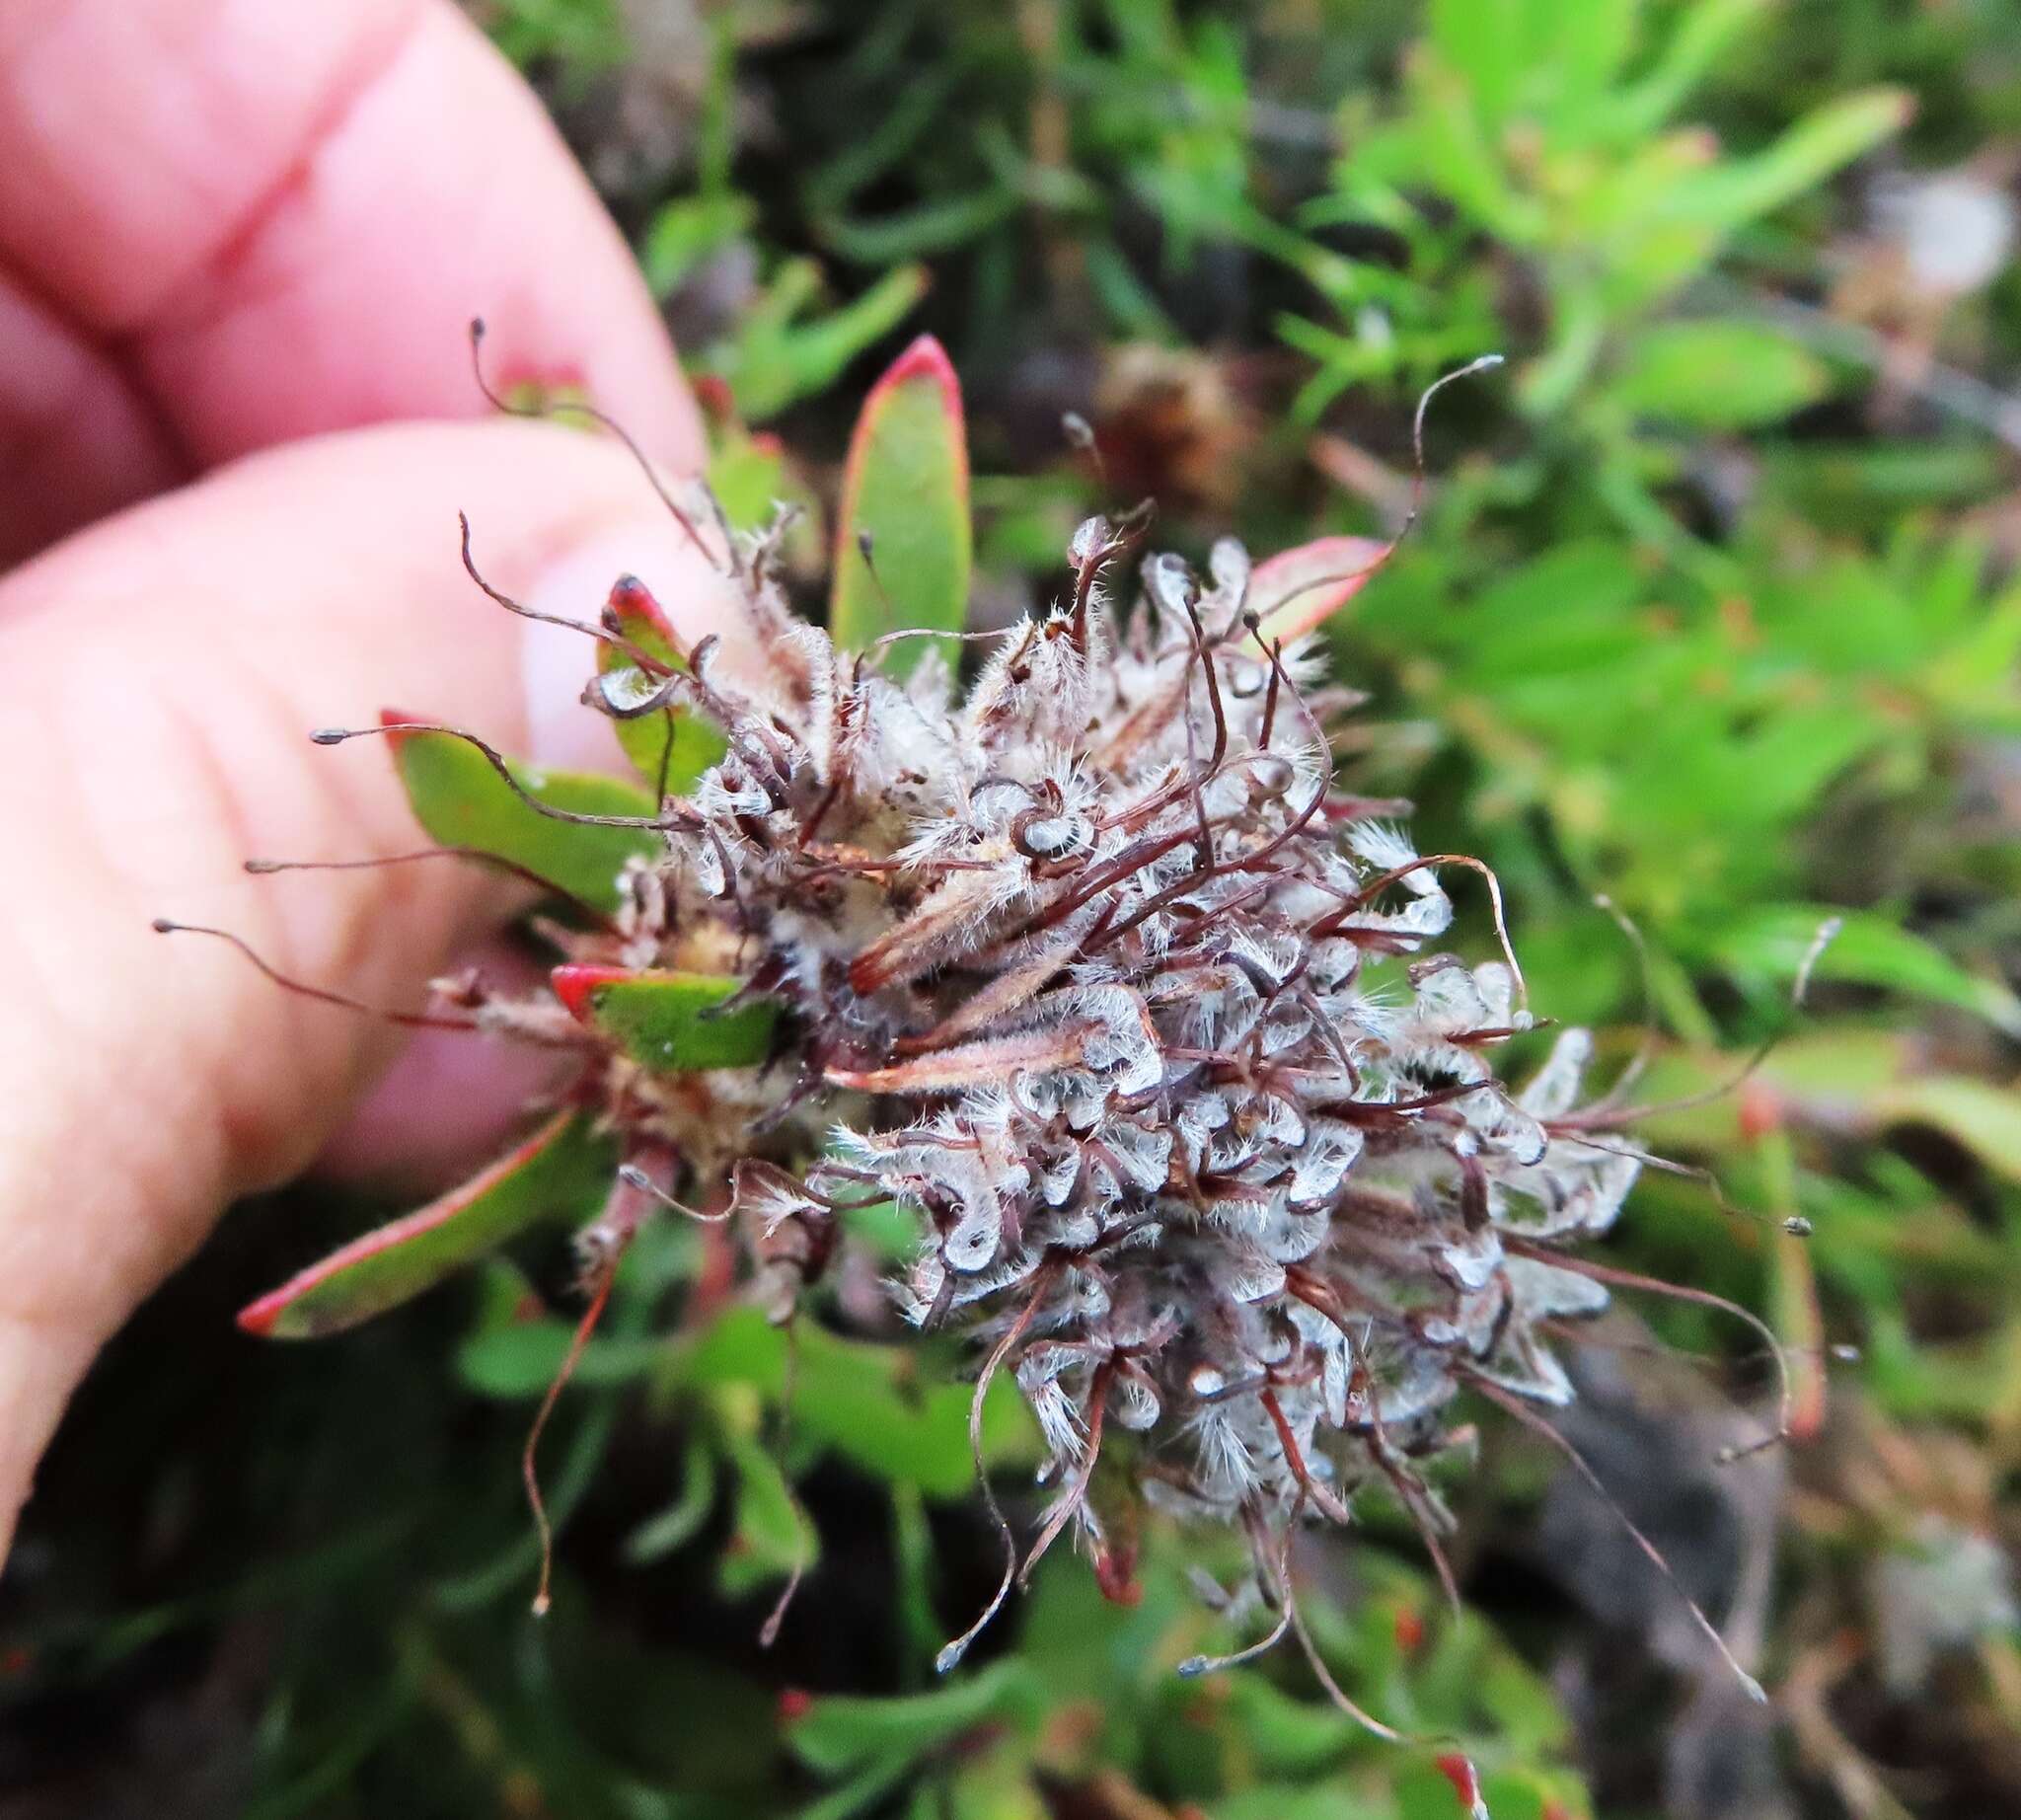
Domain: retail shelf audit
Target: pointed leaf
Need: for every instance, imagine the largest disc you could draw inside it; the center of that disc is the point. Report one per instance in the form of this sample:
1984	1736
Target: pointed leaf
667	1020
1719	374
777	357
462	801
1983	1117
1772	939
904	487
518	1360
861	1401
696	743
840	1731
771	1537
1734	191
682	1520
1296	590
562	1170
747	473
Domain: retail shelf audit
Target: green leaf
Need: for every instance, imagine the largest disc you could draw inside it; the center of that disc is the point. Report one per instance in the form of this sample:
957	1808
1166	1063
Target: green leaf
1986	1120
772	1538
842	1732
866	1402
1459	157
682	1520
668	1019
1520	55
906	489
1328	1800
774	361
581	38
938	226
462	801
1824	141
1869	950
688	231
696	743
999	1785
886	141
747	473
1286	1736
1719	375
1481	41
563	1171
518	1360
1702	35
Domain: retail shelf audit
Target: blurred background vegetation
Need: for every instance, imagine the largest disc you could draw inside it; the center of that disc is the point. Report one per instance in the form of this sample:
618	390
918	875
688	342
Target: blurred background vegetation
1714	610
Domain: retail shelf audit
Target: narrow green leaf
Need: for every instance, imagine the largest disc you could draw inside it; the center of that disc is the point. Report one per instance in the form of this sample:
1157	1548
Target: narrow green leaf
1001	1784
1986	1120
834	183
747	473
859	1400
517	1360
462	801
562	1170
906	489
696	743
775	362
688	231
1481	41
924	228
682	1520
843	1731
1824	141
1869	950
772	1538
667	1020
1719	375
1288	1735
1702	35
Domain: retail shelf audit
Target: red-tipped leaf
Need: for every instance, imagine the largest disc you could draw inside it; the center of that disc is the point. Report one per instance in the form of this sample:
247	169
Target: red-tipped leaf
1297	591
696	744
668	1021
573	984
564	1172
904	489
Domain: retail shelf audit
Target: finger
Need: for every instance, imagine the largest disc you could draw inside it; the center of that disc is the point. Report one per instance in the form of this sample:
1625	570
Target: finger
440	1110
76	438
158	677
446	1105
229	223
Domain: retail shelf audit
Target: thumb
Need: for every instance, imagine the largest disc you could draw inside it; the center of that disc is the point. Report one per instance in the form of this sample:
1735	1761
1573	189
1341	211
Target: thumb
159	676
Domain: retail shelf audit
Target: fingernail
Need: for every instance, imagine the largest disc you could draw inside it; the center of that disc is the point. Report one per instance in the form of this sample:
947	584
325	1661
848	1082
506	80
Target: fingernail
556	661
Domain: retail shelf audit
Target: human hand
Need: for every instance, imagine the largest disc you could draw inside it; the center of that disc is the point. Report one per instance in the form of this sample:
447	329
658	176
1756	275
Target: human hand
233	233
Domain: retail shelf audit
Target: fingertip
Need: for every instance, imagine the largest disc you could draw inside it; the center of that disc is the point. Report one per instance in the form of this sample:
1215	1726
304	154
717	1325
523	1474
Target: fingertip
248	224
443	206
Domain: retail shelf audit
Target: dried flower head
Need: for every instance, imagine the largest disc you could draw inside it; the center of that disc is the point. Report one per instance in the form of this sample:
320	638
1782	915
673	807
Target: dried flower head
1091	966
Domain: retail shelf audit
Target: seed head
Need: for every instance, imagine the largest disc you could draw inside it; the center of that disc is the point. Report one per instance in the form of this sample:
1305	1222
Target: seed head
1094	969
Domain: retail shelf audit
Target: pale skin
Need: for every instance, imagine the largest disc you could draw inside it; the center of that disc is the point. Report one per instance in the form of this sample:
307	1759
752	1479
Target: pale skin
239	244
